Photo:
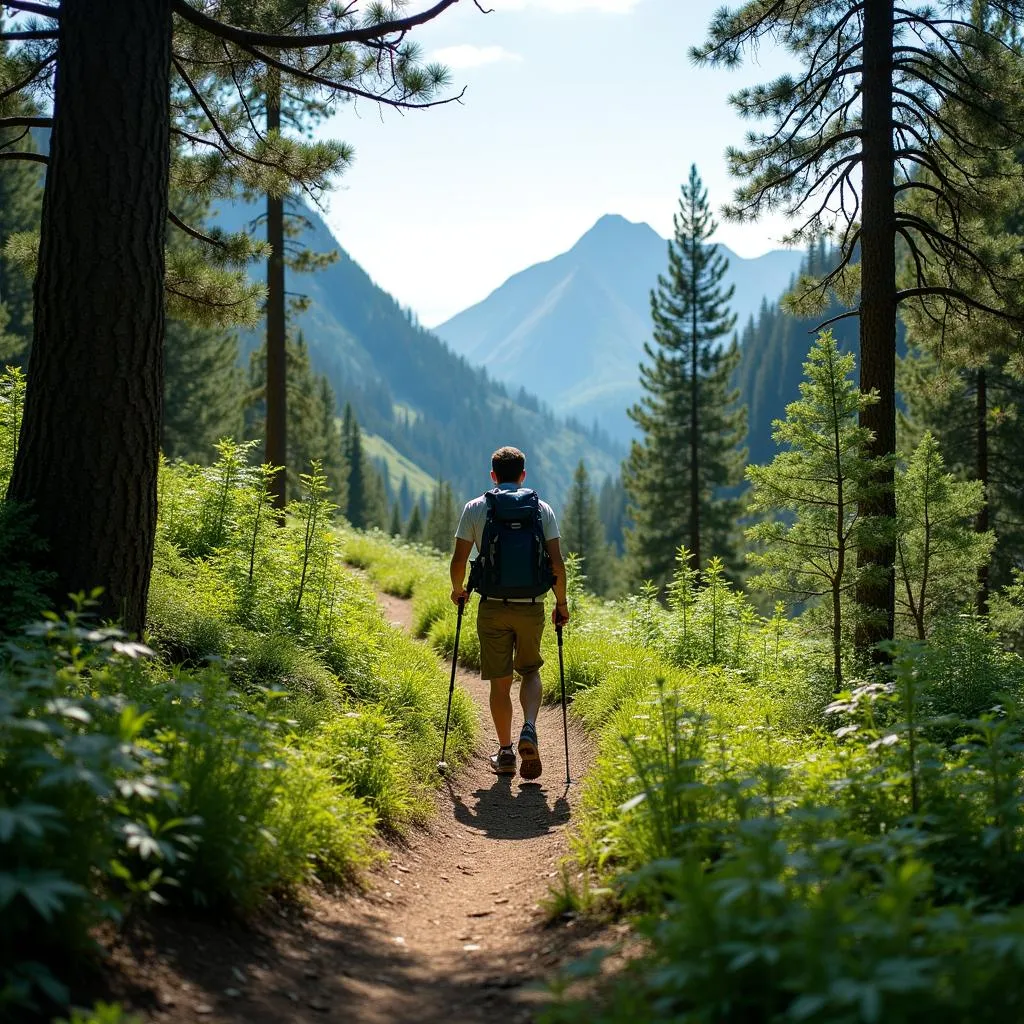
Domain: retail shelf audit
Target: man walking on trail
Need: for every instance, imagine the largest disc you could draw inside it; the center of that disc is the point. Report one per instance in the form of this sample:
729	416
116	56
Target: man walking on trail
519	560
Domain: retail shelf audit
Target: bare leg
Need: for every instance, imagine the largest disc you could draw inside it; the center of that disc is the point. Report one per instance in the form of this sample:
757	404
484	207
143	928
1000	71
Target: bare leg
530	693
501	709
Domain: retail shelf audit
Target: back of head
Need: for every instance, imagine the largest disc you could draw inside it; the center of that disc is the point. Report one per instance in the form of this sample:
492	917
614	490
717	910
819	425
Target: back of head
508	465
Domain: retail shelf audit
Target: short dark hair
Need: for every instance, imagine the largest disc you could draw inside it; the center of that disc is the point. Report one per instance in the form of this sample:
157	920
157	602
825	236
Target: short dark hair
508	464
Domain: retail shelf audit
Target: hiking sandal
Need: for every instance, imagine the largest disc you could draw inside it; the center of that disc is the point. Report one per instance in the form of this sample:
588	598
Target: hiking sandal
529	751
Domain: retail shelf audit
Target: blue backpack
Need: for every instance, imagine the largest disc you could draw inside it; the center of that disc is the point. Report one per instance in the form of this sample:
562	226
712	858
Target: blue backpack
513	559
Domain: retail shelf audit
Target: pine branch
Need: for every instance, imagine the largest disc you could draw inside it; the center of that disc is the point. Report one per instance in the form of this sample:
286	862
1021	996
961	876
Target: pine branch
29	34
36	158
958	296
29	78
26	7
194	232
25	122
246	38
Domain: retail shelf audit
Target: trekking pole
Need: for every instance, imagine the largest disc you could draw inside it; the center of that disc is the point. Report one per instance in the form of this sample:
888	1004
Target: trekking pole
442	765
565	721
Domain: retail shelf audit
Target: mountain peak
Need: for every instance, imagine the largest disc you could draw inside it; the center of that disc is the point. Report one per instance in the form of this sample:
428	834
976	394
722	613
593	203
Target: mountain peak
614	229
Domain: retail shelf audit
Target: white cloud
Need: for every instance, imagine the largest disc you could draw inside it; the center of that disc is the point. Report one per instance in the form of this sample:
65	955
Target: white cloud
564	6
466	55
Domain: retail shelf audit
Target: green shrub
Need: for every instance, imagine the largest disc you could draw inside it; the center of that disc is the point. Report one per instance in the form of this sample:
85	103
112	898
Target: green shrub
23	586
363	753
75	785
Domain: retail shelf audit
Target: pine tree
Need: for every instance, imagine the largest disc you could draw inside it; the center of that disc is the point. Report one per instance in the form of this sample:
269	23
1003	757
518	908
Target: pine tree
204	391
366	504
395	527
689	452
853	136
583	532
814	490
414	528
313	431
938	551
442	519
975	413
21	195
612	506
105	279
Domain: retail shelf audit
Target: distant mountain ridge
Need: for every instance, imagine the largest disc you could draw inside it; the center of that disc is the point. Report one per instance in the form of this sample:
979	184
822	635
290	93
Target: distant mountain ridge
407	387
571	329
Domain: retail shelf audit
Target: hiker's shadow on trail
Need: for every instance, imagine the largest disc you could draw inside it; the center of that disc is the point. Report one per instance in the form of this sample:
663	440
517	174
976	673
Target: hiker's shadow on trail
505	811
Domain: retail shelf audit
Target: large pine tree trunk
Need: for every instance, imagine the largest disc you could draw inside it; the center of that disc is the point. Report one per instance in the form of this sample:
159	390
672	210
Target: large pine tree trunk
878	309
277	368
982	522
90	440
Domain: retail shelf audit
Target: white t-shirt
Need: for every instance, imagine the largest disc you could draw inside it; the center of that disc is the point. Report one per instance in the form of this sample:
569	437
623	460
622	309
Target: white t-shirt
474	516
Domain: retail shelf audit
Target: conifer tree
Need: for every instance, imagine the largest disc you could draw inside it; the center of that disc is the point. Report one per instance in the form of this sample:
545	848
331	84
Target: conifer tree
313	431
814	492
938	551
612	506
395	527
366	504
21	194
976	414
124	79
204	390
414	528
689	451
442	518
583	533
863	126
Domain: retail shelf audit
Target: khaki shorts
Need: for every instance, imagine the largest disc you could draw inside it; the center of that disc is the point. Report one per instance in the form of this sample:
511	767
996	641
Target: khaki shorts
509	638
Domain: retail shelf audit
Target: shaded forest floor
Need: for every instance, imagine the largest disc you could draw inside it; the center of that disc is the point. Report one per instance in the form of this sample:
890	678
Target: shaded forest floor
451	927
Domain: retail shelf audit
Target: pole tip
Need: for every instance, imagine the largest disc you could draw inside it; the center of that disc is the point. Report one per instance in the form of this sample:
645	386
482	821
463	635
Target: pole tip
442	767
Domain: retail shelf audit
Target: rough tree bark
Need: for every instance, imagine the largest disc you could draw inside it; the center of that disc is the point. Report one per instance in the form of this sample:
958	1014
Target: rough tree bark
277	368
90	439
877	600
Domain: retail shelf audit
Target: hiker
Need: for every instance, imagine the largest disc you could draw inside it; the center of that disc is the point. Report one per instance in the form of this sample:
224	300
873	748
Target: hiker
512	522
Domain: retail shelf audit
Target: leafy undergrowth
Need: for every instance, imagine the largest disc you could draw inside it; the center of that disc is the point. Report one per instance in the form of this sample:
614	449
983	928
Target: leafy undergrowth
270	723
793	855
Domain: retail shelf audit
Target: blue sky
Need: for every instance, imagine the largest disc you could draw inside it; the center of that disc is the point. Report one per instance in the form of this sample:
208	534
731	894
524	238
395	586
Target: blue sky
573	109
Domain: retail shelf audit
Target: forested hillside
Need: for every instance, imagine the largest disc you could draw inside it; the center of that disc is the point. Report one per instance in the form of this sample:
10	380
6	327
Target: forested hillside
407	386
579	321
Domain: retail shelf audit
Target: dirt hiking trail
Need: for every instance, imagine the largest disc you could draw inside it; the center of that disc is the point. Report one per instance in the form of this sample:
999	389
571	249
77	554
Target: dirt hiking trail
449	929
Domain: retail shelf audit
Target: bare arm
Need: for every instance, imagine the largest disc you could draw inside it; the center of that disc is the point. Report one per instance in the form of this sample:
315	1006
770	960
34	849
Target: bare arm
457	569
560	615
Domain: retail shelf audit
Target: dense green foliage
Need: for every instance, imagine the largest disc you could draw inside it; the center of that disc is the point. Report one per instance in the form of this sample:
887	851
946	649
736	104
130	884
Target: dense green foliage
279	719
691	429
791	857
583	535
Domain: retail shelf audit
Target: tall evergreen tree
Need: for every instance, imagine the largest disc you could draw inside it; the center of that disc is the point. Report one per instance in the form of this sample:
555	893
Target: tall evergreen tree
313	431
442	519
858	130
366	503
100	300
612	506
395	526
21	195
204	390
689	452
414	528
583	532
